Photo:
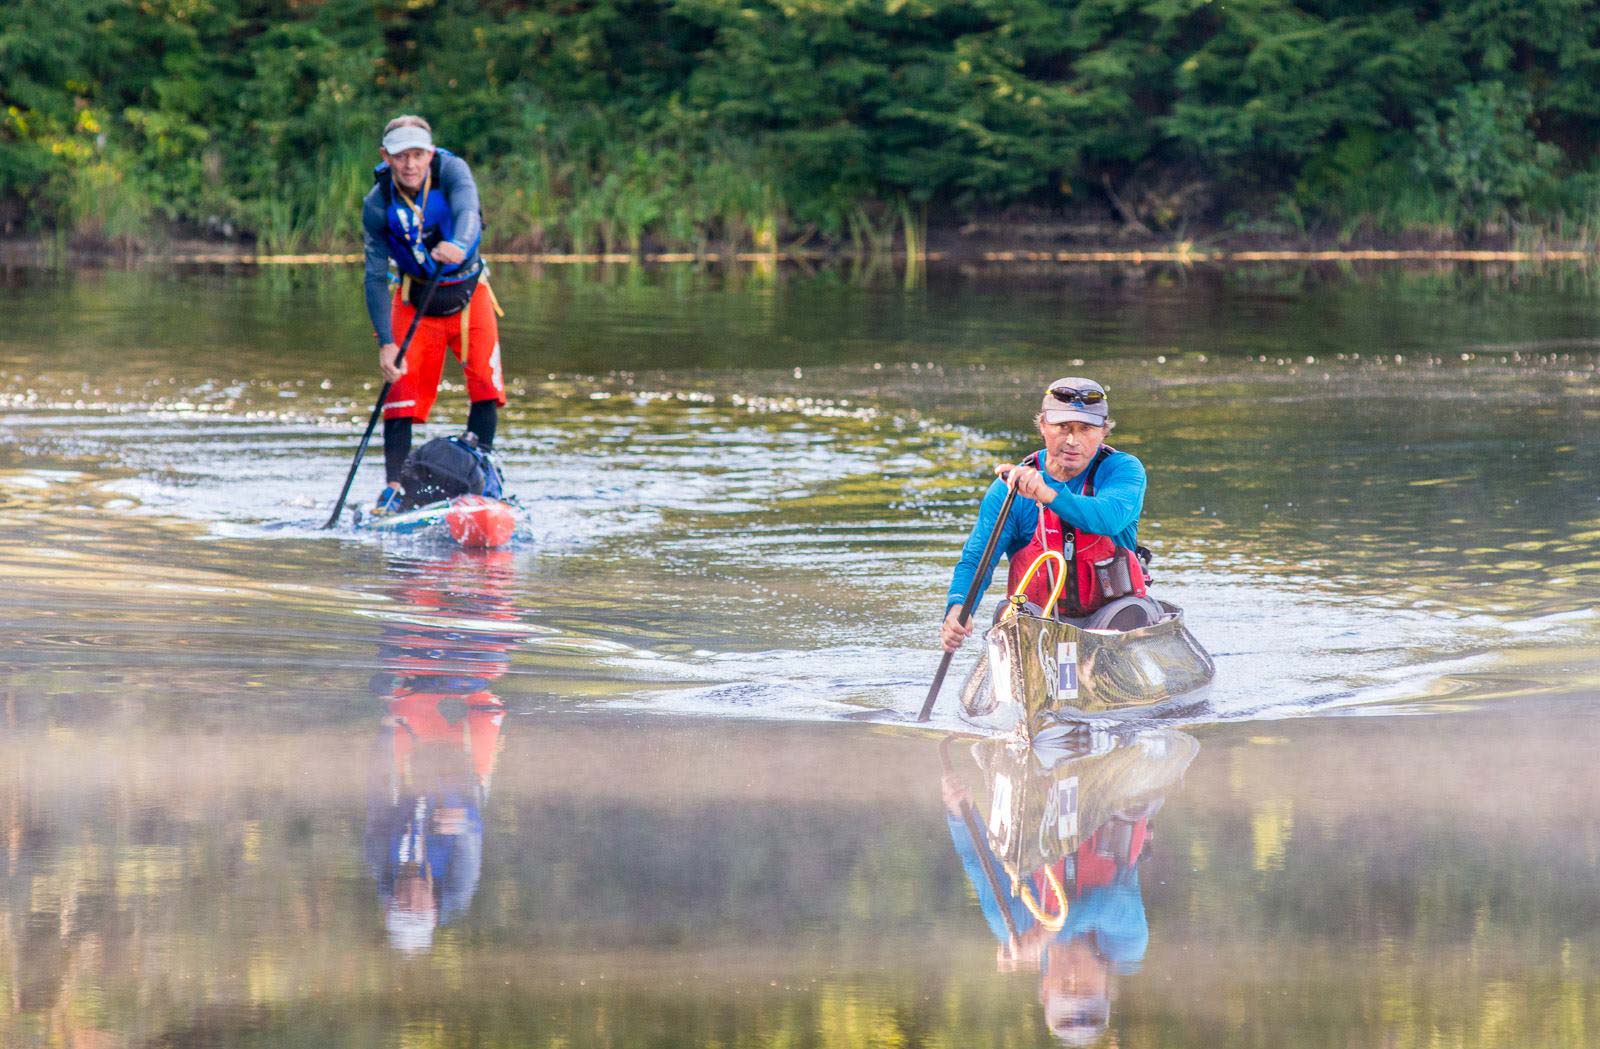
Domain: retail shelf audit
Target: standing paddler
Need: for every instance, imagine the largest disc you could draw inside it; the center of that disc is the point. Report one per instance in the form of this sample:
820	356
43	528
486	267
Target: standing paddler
422	215
1084	503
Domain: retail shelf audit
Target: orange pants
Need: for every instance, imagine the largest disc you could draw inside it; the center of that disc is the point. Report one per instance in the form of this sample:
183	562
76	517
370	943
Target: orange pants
475	735
413	394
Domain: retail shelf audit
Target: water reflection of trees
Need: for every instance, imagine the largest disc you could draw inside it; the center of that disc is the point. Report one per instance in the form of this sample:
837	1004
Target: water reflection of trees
652	881
1055	866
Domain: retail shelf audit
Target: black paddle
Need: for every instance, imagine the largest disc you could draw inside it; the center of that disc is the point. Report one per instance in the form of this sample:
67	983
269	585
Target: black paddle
975	831
972	594
383	394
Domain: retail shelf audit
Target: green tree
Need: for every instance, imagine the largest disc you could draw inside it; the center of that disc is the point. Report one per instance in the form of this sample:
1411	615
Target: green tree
619	123
1479	147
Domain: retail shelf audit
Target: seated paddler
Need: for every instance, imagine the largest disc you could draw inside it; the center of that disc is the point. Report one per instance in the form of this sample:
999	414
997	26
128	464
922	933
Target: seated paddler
1072	529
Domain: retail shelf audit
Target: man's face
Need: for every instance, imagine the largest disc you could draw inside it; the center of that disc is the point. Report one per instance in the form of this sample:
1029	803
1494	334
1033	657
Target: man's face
1070	445
410	166
1076	992
413	890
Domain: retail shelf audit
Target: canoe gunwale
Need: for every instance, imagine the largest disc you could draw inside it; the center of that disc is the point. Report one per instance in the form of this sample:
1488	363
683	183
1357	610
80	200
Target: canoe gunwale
1048	671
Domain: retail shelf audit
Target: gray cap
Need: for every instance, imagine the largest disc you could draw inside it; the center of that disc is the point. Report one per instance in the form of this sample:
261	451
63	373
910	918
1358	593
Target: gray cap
407	136
1077	1020
1068	408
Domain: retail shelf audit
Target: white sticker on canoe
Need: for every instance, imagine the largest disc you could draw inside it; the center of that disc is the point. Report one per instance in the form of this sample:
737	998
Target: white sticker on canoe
1000	671
1067	670
1067	808
1000	813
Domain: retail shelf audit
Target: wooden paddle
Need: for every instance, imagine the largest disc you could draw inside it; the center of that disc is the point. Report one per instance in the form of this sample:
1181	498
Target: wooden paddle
973	591
383	395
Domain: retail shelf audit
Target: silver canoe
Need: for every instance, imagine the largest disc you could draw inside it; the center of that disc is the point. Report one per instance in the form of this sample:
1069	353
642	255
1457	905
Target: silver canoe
1035	673
1045	801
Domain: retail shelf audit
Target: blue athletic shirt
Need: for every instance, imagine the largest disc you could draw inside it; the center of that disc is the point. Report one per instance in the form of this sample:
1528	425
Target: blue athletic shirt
1113	914
1113	510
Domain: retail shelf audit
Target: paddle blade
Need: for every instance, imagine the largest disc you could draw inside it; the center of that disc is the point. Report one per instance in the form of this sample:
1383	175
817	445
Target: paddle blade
933	690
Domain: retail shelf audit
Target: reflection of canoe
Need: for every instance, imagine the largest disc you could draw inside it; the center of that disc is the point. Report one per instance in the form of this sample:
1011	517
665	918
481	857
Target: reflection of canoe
471	520
1037	672
1044	803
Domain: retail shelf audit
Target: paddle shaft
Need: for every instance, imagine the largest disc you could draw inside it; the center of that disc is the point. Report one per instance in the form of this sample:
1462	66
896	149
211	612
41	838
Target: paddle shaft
969	816
972	597
383	395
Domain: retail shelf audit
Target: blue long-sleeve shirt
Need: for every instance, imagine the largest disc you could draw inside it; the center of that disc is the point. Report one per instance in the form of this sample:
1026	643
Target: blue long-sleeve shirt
1114	914
1113	510
459	188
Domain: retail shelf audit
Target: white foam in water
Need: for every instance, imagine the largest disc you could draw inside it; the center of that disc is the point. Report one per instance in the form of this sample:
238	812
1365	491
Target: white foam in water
1277	655
261	467
1284	645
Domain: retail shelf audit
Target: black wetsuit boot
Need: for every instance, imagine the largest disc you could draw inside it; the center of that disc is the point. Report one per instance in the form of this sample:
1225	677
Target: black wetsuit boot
396	446
482	421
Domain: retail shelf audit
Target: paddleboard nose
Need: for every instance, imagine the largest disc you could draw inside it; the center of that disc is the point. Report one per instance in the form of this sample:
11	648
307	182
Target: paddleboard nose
477	521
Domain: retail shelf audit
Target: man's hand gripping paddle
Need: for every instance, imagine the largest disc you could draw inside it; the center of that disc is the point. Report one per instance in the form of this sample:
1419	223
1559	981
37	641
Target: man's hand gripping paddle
383	395
972	592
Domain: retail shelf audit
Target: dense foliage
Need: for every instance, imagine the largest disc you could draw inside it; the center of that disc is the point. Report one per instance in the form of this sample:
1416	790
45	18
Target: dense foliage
619	122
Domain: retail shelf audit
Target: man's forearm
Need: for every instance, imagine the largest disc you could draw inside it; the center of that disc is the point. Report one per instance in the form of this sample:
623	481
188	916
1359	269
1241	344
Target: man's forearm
455	179
376	285
377	292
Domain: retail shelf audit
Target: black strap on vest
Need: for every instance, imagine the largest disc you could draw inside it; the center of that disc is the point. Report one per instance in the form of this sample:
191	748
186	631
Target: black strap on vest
1069	596
1101	456
1105	452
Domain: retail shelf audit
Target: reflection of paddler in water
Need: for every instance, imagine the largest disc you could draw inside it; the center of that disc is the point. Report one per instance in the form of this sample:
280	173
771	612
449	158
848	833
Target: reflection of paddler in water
424	841
1056	864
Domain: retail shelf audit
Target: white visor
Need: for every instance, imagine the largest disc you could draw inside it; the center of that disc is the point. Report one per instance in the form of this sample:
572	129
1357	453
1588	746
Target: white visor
411	932
407	136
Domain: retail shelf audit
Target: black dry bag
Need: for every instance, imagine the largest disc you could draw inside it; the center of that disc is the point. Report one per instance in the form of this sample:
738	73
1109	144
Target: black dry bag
443	468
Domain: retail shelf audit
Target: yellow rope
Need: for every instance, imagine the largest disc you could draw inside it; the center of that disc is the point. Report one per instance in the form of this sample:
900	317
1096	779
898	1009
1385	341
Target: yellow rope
416	211
1051	922
1020	597
467	311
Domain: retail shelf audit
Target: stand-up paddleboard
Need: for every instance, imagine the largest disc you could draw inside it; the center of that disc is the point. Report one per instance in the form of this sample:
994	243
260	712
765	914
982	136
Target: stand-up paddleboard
471	520
448	472
479	521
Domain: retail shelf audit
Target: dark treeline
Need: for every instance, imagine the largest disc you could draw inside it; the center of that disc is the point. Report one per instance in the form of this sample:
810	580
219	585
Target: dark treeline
682	123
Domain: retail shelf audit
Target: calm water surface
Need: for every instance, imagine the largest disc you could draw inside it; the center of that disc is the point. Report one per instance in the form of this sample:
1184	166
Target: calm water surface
634	782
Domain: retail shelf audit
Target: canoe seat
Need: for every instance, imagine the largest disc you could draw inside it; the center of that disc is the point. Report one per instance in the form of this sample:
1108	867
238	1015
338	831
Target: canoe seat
1125	613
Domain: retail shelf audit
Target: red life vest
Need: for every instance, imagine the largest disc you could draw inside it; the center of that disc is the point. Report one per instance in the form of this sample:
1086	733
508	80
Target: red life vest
1086	587
1100	856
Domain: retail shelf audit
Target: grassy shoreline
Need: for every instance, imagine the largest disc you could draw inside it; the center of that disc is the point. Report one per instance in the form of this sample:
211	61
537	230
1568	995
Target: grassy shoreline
996	243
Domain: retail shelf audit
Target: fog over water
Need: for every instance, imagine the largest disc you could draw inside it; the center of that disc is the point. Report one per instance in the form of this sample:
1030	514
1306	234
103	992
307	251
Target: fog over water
650	753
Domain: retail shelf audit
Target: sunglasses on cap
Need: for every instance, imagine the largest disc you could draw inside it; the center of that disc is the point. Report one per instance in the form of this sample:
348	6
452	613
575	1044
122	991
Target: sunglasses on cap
1078	1018
1068	395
